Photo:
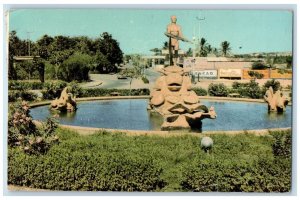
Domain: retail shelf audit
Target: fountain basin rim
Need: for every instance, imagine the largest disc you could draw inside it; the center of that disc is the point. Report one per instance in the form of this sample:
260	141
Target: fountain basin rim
91	130
82	130
43	103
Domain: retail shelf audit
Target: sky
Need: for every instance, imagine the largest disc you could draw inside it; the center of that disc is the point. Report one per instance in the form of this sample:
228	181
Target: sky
138	31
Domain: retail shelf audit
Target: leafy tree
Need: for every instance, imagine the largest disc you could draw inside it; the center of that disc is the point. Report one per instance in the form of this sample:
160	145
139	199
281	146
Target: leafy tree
101	62
75	68
225	46
109	47
45	46
16	47
58	57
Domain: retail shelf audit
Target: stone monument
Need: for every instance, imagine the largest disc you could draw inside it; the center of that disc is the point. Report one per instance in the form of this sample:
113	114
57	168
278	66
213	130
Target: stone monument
66	102
276	101
173	98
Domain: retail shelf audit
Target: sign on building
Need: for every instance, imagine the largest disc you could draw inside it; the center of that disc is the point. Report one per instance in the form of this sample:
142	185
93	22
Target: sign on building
230	73
202	74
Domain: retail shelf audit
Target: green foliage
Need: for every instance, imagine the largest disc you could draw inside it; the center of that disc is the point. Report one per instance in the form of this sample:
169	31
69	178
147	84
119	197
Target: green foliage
145	80
218	89
23	133
25	85
53	89
282	145
272	83
239	171
86	163
75	89
116	162
249	90
200	91
259	65
75	68
14	95
255	74
97	92
102	64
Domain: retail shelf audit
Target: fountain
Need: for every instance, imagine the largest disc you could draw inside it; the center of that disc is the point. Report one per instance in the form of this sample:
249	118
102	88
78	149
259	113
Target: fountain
172	96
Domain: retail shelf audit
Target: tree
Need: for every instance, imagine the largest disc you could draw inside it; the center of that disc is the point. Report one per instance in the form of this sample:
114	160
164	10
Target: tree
203	52
16	47
75	68
101	63
45	46
58	57
225	46
109	47
209	48
189	52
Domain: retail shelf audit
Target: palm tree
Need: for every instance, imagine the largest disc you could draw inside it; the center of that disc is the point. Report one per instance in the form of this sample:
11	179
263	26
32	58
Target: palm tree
225	46
209	48
202	47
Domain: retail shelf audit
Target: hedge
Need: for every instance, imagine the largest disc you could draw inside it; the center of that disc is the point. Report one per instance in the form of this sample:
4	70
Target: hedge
116	162
84	164
95	92
200	91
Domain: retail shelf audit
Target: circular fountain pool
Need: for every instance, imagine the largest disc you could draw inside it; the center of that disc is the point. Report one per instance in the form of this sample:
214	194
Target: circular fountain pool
132	114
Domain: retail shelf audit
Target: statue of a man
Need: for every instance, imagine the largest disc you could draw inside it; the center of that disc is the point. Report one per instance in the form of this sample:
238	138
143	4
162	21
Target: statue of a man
174	30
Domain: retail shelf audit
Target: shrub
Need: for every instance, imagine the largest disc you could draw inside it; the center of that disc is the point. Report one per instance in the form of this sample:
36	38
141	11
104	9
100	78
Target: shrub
218	89
255	74
240	172
200	91
282	145
249	90
145	80
272	83
14	95
96	92
85	163
259	65
25	85
53	89
23	133
76	67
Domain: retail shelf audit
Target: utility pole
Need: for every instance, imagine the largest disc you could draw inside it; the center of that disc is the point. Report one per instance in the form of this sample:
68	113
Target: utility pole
28	40
199	19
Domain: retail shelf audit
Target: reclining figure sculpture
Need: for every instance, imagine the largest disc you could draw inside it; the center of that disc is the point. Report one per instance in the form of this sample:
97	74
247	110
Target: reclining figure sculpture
66	102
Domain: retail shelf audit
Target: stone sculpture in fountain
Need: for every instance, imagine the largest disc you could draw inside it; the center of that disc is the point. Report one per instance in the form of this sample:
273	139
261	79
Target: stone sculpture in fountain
66	101
276	101
173	98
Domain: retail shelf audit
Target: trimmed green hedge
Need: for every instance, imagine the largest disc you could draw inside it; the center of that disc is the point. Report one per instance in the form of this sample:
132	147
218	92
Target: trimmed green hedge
84	164
95	92
200	91
116	162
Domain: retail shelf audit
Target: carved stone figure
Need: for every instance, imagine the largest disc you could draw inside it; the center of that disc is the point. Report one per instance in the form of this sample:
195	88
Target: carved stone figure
276	102
66	102
173	98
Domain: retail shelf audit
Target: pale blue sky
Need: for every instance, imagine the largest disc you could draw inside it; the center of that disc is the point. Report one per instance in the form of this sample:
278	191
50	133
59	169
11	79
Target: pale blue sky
138	31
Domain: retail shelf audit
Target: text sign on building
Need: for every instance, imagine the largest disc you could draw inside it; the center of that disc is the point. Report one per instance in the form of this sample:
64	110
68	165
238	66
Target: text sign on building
230	73
205	73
